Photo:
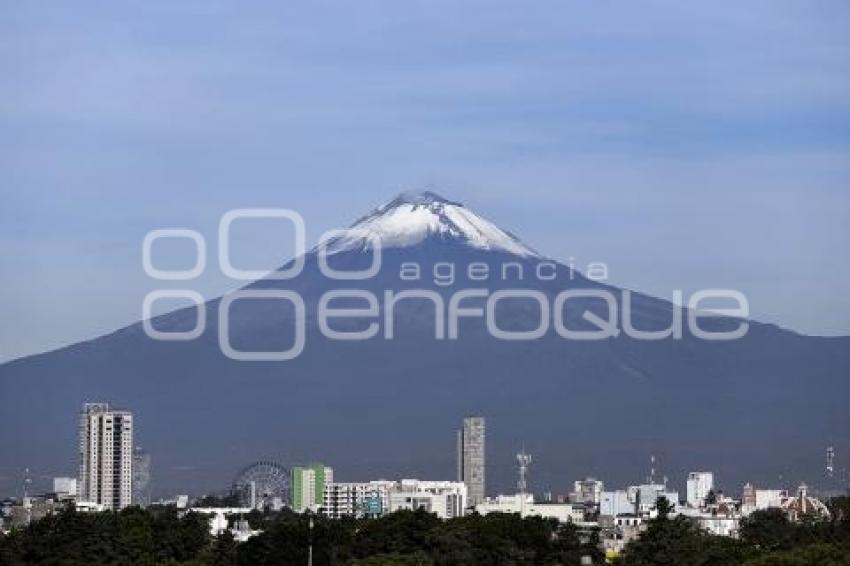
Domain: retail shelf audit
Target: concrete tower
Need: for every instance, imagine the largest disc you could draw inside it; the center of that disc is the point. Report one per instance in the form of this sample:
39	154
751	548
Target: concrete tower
470	458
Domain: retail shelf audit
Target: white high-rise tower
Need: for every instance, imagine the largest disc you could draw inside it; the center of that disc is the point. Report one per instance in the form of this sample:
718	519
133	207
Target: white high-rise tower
699	485
106	456
470	458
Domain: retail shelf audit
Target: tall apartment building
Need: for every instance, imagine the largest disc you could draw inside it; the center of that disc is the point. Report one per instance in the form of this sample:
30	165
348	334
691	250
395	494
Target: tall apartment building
470	458
308	486
106	456
699	484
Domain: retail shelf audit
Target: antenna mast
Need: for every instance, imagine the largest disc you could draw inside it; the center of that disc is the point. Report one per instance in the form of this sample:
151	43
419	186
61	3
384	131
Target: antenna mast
830	462
524	460
27	482
651	477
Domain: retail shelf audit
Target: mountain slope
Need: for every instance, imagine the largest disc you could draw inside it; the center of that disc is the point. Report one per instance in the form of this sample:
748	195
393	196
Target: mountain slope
752	409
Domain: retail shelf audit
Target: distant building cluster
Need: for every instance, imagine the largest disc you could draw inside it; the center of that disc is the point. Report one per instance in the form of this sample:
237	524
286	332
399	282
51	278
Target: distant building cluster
114	473
622	514
111	472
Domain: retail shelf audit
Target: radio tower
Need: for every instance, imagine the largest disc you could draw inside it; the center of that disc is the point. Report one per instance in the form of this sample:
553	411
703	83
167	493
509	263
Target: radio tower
27	504
651	477
830	461
27	483
523	460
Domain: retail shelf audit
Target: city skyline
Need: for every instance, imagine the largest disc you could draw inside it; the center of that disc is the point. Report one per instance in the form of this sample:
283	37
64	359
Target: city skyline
108	472
100	420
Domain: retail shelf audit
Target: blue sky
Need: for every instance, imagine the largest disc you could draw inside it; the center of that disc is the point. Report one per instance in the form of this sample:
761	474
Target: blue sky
685	145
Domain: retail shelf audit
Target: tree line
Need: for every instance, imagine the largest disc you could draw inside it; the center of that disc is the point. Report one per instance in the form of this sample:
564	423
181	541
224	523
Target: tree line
163	536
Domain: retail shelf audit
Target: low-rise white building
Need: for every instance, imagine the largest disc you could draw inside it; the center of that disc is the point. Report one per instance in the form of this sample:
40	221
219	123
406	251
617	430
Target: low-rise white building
445	498
722	520
613	503
220	519
89	507
526	507
65	487
770	498
645	496
800	505
587	491
356	499
635	499
719	525
758	499
629	520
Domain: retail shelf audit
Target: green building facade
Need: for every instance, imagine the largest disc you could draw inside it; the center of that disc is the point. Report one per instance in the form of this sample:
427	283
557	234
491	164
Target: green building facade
308	486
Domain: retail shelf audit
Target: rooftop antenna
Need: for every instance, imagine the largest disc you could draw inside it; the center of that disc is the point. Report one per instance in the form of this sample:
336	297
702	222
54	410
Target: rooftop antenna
524	460
830	461
651	478
27	482
26	500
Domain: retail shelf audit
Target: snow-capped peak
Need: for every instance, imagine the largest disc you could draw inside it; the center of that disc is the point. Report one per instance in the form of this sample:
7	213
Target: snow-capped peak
412	217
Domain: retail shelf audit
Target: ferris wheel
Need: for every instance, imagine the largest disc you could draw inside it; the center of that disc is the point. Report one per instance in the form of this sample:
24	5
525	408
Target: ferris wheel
262	484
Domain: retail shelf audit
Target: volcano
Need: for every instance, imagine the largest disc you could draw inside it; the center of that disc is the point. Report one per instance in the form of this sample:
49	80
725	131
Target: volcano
759	408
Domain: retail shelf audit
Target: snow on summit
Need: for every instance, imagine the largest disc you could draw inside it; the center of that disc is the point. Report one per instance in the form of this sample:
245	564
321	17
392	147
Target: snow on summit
411	218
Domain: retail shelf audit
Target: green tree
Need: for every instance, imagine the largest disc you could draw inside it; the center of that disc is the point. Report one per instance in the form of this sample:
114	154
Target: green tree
768	529
179	539
229	500
395	559
135	536
402	532
663	507
819	554
223	552
679	541
839	509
